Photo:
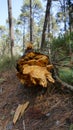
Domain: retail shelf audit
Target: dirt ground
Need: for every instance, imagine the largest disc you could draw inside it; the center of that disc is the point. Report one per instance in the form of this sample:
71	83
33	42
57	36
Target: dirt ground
47	111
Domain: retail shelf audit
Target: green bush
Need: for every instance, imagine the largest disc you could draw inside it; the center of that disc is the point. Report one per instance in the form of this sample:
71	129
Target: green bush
62	44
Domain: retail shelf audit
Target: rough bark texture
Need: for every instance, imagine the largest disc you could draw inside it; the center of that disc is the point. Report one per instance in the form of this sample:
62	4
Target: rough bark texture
30	20
11	25
47	15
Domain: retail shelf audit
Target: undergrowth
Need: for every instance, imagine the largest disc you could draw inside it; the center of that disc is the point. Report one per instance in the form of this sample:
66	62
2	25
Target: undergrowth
66	74
7	63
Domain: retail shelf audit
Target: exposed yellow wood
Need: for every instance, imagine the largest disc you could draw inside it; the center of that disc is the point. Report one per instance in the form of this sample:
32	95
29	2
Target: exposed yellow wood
20	111
34	69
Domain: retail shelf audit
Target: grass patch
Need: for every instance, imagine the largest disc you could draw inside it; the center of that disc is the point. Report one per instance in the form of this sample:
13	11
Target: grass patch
6	63
66	74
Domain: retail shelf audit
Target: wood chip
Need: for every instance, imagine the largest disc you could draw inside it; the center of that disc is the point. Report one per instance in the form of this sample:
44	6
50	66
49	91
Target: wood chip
17	113
20	111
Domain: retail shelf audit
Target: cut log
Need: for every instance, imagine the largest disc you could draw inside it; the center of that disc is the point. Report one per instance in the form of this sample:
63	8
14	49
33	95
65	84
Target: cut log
34	69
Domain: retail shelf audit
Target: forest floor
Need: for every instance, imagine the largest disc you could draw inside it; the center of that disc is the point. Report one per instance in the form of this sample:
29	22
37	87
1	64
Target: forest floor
49	111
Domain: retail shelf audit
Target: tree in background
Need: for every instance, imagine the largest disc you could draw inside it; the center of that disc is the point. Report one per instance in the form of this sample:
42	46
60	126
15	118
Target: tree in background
54	27
64	15
11	26
31	15
4	41
47	15
31	32
70	10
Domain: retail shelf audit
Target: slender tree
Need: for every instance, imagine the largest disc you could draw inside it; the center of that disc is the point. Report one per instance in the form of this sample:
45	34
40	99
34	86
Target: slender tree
31	21
31	14
69	4
47	15
11	26
64	15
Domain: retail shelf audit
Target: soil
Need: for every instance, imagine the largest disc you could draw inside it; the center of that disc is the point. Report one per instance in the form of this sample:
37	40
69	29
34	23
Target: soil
48	110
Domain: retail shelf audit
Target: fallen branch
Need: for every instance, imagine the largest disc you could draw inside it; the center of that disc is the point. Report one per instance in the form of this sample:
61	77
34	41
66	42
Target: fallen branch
62	59
62	65
62	82
23	124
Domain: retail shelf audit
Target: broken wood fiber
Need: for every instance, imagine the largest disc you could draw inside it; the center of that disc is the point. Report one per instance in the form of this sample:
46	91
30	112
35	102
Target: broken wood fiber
34	69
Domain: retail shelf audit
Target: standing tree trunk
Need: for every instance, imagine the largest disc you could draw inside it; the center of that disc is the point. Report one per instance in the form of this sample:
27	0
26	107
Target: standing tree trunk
47	15
31	21
64	10
70	47
24	37
11	26
69	2
49	45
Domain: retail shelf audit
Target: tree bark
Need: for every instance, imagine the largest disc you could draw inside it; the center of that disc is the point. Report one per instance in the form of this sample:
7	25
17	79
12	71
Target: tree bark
31	21
24	37
47	15
64	16
69	2
11	25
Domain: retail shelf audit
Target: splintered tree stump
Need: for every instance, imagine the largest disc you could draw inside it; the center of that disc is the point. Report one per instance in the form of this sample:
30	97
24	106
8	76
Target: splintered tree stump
34	69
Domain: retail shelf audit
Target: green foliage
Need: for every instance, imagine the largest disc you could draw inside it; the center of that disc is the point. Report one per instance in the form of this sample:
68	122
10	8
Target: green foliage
58	42
66	74
36	8
6	63
37	12
71	127
62	45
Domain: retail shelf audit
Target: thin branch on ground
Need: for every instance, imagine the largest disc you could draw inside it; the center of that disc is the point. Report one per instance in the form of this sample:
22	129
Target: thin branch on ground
62	82
23	125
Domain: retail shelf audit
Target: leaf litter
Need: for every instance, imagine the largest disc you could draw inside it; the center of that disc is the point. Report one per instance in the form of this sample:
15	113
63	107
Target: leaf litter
58	106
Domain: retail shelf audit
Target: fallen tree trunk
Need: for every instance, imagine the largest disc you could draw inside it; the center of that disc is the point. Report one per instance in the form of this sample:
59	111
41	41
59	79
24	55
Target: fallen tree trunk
34	69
